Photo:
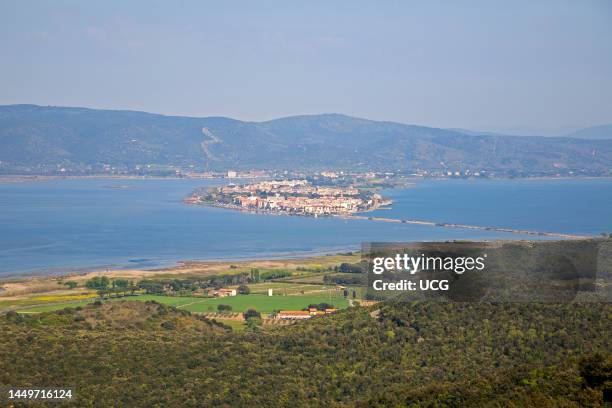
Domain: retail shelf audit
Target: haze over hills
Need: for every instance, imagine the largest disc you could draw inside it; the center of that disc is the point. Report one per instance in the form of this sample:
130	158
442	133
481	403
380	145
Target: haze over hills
593	132
478	132
43	140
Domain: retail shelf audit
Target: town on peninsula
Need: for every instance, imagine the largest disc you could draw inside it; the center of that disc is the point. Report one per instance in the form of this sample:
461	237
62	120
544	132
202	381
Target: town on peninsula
291	197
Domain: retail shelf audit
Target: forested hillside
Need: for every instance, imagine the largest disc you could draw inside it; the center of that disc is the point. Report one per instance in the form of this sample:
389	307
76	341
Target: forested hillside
57	140
397	354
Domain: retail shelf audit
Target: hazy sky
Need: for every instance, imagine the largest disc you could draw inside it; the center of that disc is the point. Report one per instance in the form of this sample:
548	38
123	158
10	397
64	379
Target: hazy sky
512	66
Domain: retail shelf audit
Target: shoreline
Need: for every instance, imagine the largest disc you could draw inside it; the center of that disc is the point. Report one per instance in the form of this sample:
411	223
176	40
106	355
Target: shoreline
175	265
178	264
235	207
20	292
42	178
19	288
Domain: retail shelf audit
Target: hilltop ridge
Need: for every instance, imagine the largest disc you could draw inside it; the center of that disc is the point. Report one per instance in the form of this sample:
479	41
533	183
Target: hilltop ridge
45	140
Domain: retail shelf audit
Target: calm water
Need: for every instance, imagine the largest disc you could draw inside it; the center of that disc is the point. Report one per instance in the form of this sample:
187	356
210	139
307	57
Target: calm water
582	206
63	225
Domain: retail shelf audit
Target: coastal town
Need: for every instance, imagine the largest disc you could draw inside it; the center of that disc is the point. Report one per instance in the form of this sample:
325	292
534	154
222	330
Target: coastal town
293	197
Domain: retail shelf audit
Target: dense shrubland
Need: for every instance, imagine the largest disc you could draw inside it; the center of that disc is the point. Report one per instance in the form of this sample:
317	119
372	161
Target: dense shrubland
401	354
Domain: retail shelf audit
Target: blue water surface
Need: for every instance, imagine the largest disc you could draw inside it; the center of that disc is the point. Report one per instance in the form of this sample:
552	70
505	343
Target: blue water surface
83	224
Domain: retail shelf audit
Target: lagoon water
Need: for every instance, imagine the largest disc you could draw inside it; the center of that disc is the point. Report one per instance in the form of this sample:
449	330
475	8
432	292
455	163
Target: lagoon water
70	225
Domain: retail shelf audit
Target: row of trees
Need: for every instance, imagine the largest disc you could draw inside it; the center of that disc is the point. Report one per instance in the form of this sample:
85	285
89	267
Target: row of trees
350	268
187	285
106	286
104	283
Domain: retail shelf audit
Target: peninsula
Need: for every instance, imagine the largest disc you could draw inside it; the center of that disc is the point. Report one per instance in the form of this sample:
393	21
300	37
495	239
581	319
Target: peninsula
293	197
301	197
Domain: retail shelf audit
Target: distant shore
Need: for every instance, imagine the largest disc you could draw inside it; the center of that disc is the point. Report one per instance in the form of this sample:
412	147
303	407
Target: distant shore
42	178
20	178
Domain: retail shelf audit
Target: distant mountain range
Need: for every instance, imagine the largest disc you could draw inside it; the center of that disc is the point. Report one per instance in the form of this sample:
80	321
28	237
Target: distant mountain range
594	132
43	140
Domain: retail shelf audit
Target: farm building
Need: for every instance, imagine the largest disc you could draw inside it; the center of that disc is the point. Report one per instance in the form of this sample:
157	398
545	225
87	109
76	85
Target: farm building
303	314
223	292
293	314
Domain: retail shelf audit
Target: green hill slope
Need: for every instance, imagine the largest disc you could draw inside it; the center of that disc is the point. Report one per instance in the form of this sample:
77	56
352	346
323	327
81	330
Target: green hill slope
415	354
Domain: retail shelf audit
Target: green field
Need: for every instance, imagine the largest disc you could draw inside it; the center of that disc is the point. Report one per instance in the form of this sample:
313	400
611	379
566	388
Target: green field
240	303
265	304
286	288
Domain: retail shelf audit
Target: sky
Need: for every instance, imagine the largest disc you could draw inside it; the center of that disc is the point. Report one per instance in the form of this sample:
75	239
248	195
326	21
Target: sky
522	67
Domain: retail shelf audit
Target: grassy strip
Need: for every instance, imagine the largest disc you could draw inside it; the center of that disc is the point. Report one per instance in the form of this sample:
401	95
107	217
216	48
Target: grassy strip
240	303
